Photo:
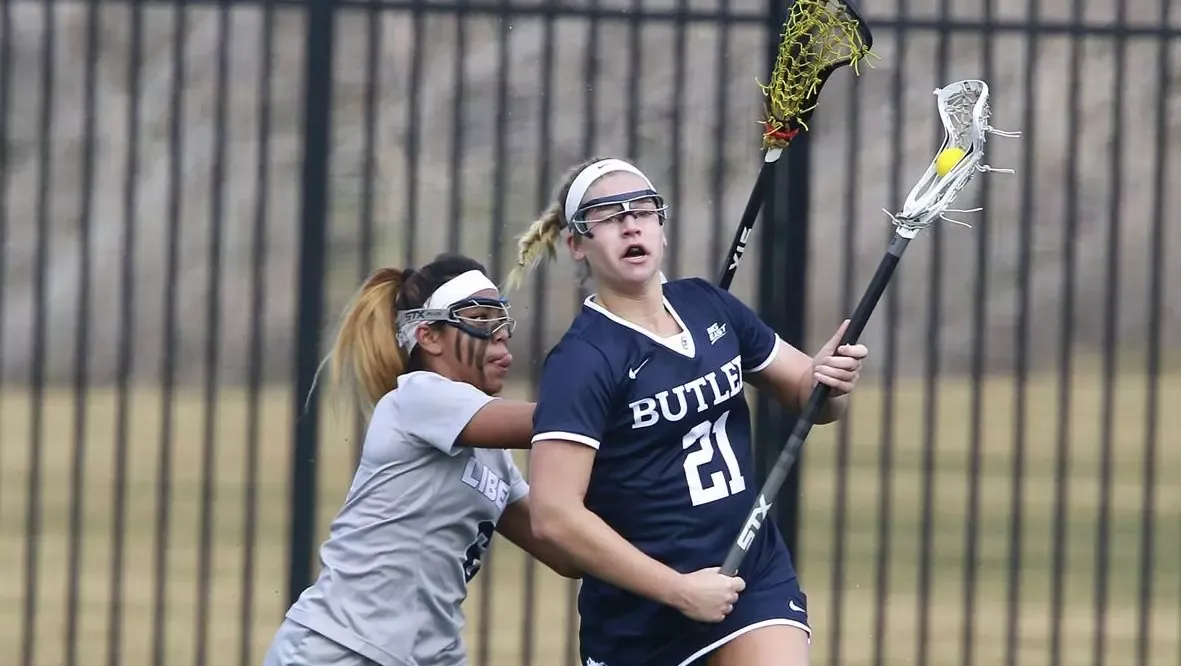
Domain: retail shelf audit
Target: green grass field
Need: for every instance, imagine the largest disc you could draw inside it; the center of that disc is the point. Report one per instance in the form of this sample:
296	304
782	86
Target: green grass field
503	585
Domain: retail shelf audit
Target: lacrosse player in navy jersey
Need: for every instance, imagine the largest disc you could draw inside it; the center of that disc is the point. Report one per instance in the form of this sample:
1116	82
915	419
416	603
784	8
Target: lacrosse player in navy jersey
427	351
641	469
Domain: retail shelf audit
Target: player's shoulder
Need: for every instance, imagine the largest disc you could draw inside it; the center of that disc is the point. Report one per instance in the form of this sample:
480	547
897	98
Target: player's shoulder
582	343
696	293
593	335
593	348
423	383
424	408
390	435
689	285
421	390
693	286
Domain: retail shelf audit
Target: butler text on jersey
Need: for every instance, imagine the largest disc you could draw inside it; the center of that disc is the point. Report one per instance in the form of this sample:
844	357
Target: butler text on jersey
700	394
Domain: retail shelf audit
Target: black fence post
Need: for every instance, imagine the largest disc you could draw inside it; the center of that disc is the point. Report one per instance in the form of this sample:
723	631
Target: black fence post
783	272
313	235
782	302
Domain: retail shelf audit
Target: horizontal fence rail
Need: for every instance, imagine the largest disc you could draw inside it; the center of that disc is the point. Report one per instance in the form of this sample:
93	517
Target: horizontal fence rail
190	192
628	13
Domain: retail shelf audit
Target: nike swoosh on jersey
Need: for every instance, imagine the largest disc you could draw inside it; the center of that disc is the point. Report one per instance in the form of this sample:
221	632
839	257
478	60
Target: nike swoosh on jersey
631	373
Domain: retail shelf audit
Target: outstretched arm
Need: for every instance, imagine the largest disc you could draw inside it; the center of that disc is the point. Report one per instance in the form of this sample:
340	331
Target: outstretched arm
500	424
450	415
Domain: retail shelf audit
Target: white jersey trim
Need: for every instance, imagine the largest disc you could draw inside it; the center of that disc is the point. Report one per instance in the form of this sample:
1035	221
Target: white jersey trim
569	436
747	629
770	357
687	346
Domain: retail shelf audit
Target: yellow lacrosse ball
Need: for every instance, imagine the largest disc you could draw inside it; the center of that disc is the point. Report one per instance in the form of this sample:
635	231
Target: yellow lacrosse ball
947	159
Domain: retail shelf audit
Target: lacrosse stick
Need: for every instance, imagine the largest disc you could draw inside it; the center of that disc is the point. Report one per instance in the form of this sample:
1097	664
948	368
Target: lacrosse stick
818	38
964	110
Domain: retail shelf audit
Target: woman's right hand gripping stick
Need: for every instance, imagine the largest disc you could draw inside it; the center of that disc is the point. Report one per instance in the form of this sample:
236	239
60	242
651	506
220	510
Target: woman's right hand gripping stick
707	595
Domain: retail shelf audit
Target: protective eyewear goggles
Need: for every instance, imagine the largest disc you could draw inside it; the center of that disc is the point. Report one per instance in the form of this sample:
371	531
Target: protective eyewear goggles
643	205
479	317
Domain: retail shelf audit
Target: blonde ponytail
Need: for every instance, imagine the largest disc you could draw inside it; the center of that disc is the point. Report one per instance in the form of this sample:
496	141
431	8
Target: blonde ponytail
540	239
366	352
542	236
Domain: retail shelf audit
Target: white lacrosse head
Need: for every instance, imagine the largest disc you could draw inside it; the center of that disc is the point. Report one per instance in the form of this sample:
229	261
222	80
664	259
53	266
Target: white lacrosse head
964	110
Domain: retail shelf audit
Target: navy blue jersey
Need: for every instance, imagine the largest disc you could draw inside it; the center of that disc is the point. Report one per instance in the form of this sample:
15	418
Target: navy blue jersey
674	470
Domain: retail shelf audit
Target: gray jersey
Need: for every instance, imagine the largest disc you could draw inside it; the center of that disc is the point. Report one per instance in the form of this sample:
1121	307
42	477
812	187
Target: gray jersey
412	530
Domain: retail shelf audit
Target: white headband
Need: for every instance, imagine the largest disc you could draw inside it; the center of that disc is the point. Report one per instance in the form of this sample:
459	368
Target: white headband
589	175
456	289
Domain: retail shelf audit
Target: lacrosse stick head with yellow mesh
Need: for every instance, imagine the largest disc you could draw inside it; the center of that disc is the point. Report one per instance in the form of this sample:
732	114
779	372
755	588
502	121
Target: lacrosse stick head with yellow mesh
818	38
965	112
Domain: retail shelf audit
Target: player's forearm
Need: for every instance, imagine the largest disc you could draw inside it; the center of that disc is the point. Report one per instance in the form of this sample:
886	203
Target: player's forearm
516	524
553	557
793	393
600	551
831	411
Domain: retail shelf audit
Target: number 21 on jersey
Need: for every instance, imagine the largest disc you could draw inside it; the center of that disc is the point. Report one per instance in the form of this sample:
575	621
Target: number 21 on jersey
707	436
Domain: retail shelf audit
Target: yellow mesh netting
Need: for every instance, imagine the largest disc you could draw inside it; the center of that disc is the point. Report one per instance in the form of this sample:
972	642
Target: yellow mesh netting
816	35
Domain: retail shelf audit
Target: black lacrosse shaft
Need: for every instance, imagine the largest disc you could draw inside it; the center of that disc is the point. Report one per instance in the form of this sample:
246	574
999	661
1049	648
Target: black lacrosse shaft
742	233
787	458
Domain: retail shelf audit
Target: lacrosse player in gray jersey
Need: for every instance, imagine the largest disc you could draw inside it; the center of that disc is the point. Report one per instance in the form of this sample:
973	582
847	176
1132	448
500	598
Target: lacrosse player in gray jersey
426	351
